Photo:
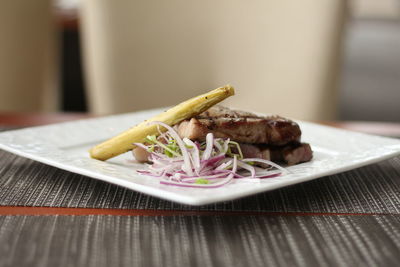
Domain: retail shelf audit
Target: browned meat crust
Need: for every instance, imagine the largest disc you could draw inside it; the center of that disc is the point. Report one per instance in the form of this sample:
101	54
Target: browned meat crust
240	126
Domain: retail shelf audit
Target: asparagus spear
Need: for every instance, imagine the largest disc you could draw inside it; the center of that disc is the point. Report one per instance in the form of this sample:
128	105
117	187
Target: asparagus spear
185	110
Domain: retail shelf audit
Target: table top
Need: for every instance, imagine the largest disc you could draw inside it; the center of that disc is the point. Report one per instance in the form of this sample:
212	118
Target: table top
347	219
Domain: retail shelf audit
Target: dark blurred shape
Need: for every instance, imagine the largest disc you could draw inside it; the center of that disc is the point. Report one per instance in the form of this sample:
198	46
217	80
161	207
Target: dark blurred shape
371	72
72	85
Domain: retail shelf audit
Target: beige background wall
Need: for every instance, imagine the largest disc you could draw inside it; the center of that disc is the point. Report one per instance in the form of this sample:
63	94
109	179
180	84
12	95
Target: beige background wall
27	58
280	55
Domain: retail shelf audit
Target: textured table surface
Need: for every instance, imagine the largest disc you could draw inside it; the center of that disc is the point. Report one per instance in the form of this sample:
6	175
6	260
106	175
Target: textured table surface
50	217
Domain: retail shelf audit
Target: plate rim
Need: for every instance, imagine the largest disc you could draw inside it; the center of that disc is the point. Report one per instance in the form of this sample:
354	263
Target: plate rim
173	196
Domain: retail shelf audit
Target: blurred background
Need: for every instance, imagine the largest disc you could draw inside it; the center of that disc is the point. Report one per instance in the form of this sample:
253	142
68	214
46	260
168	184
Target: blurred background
314	60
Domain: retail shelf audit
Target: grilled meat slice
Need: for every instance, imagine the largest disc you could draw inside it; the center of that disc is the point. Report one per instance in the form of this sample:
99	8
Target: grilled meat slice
271	137
240	126
218	111
291	154
296	154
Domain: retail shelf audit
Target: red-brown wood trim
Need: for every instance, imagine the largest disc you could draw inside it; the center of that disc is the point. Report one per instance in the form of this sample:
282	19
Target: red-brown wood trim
11	210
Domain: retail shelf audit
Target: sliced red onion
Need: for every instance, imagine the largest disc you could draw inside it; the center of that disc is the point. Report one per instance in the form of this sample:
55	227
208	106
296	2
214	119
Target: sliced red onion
235	164
224	165
227	172
209	146
158	155
194	151
268	162
218	146
206	170
212	161
247	167
170	167
161	134
184	170
209	177
187	167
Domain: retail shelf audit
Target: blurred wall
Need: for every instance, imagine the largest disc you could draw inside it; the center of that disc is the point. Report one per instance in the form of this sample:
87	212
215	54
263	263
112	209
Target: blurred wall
280	55
370	88
27	58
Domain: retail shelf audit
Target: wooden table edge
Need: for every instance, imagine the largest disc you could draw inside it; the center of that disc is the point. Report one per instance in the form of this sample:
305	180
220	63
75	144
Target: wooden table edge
22	210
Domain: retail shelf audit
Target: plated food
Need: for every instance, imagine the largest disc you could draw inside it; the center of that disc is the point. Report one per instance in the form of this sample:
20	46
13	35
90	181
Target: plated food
192	107
66	146
200	144
268	137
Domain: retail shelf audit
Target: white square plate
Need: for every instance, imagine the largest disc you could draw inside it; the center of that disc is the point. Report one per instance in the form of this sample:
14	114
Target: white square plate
65	146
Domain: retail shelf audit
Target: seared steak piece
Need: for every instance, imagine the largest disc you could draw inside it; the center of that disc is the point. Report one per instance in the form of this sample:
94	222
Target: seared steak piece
296	154
291	154
271	137
240	126
218	111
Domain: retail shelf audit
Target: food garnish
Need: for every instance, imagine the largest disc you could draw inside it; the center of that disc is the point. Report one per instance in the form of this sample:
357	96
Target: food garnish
203	145
209	164
125	141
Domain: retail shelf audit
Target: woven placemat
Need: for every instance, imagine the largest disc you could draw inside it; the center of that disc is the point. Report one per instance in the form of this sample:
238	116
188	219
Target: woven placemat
96	241
371	189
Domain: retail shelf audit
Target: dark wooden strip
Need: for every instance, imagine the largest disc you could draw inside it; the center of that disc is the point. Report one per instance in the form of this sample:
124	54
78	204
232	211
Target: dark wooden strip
6	210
